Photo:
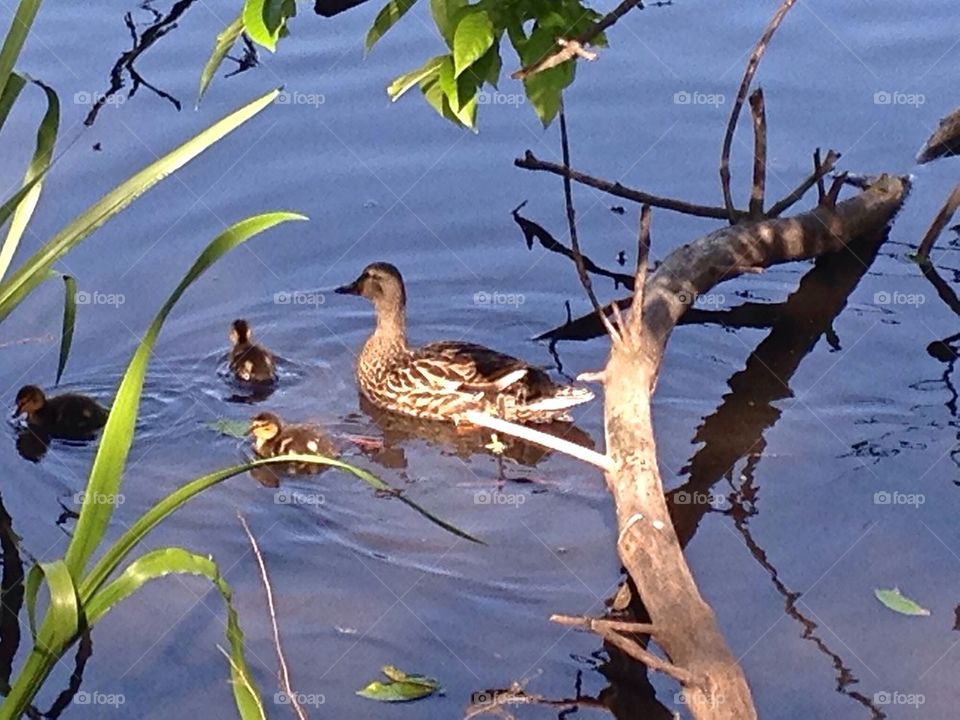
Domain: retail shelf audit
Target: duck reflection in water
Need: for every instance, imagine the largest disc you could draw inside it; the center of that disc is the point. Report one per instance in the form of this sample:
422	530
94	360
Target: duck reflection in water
464	441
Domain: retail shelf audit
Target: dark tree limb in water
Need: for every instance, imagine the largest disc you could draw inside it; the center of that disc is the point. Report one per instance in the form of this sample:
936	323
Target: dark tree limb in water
820	170
945	141
939	223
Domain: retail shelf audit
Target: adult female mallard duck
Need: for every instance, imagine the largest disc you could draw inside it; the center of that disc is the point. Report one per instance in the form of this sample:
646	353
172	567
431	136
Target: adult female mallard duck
69	416
272	438
249	362
444	380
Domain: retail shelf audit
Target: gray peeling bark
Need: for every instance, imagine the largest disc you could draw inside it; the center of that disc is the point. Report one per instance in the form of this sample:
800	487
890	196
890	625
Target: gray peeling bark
684	624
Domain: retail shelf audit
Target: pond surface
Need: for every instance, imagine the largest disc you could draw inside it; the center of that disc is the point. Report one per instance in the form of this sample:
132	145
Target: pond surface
776	485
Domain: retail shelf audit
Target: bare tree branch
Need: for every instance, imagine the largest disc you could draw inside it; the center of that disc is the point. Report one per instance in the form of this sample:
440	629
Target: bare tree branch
748	74
939	223
816	178
530	162
759	114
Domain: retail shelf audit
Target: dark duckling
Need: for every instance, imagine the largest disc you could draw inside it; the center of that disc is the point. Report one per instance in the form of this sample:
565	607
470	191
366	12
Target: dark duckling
272	438
250	362
70	416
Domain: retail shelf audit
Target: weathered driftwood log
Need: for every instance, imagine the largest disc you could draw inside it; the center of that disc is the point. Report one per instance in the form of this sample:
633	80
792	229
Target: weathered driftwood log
945	141
686	629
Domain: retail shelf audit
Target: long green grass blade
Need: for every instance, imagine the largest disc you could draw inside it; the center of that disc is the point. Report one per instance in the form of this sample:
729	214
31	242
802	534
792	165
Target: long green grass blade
174	560
15	83
126	543
107	472
39	164
69	318
225	41
13	290
60	626
16	36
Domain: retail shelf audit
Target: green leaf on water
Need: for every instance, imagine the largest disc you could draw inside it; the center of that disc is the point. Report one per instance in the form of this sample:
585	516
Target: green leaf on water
897	602
229	427
400	686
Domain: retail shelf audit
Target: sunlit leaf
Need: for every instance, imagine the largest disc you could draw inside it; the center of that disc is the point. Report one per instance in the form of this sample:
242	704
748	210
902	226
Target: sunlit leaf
446	14
545	89
473	37
264	21
15	83
386	19
39	164
403	83
16	36
897	602
400	686
225	40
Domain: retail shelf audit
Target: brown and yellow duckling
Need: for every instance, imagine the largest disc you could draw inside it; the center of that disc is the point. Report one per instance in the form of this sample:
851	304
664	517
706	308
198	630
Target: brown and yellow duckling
445	380
69	416
272	438
250	362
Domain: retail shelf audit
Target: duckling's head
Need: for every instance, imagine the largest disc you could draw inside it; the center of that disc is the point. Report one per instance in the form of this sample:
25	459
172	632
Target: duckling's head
30	399
240	332
265	426
381	284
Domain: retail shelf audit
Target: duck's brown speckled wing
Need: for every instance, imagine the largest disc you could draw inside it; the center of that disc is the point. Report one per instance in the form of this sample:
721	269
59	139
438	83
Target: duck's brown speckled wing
468	367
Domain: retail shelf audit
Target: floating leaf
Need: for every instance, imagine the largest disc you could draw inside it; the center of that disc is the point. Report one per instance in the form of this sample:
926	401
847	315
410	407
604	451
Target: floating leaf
899	603
229	427
400	686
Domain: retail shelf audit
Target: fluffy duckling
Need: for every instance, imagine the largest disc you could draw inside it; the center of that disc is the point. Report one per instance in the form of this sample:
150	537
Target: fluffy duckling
249	362
444	380
70	416
272	438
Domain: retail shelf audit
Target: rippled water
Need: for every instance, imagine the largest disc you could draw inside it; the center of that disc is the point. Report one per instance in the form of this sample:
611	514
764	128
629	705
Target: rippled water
363	581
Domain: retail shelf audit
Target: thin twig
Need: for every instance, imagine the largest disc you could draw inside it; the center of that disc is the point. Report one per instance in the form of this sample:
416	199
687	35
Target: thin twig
530	162
817	164
567	49
748	74
758	111
815	178
639	652
540	438
939	223
572	225
284	670
589	623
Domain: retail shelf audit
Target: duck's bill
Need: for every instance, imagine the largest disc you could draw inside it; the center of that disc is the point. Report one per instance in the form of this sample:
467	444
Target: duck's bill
351	289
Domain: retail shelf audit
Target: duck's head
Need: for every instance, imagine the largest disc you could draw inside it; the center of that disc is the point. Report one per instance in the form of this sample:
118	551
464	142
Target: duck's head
240	332
30	399
381	284
265	426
